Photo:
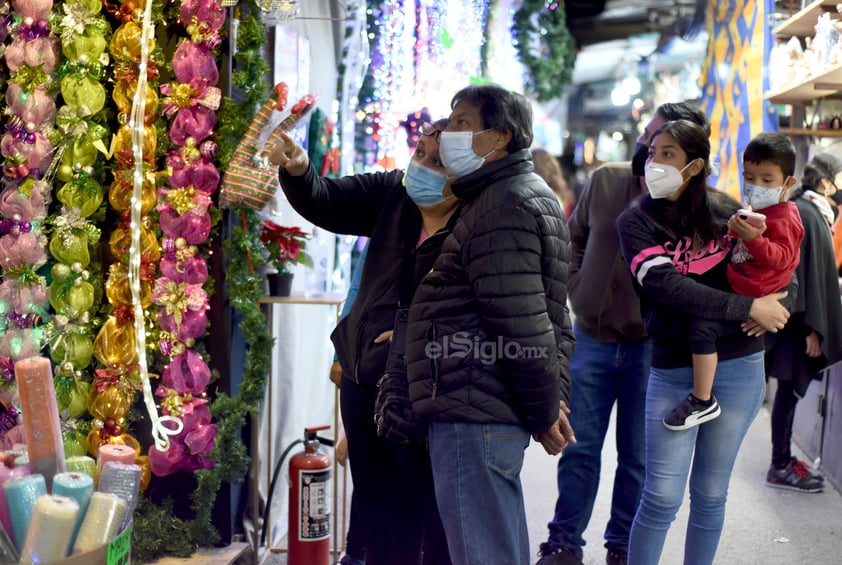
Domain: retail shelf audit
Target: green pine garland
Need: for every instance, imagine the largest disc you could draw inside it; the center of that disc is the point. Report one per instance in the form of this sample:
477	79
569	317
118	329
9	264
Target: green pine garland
545	47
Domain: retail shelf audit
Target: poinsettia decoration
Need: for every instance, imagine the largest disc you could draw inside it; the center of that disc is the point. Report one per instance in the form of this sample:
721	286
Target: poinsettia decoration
285	245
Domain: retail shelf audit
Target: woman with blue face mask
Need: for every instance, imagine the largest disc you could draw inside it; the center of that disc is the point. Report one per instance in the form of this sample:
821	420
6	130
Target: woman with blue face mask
676	245
406	215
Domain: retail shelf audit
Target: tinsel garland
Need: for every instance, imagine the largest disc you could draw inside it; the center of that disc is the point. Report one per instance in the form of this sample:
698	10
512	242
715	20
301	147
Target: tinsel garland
545	46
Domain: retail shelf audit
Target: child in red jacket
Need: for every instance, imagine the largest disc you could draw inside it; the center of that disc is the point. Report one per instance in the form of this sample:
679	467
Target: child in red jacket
762	261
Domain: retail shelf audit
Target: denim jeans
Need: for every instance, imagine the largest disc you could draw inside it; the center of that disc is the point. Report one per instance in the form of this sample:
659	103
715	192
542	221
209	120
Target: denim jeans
476	470
603	373
711	449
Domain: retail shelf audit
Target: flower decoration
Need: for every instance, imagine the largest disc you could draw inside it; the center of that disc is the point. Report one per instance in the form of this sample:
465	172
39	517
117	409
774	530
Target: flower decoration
285	246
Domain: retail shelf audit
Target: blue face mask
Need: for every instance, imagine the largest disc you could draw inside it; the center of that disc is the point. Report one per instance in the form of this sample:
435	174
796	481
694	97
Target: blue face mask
457	153
424	185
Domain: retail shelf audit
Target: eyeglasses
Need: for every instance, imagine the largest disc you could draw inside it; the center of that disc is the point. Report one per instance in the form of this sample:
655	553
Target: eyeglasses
430	130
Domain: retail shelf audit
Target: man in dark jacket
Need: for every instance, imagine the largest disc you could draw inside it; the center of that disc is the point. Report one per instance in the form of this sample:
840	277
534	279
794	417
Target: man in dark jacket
611	361
489	337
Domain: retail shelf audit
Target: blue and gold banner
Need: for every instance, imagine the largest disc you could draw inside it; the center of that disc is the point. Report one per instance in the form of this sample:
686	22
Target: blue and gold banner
733	82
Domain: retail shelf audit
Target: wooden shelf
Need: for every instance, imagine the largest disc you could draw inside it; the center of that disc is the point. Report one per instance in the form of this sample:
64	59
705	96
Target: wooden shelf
811	132
806	91
803	23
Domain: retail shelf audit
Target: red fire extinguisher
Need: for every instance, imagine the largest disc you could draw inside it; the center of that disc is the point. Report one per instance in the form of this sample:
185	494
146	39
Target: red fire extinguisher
309	503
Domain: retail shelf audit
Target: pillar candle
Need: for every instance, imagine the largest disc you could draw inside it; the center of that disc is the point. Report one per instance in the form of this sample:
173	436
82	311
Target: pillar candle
102	522
41	425
50	528
116	452
21	494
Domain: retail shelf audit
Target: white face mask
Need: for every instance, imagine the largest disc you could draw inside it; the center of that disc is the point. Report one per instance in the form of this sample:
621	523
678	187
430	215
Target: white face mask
759	197
663	180
457	154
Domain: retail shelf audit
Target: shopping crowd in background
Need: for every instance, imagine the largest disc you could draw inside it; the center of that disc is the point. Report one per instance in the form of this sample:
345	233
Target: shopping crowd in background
460	340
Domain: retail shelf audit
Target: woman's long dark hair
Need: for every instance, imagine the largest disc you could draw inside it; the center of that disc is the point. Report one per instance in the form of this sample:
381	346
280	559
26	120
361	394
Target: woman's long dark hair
700	213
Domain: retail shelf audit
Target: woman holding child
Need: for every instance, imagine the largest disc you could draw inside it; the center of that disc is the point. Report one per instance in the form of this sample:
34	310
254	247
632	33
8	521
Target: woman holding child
676	244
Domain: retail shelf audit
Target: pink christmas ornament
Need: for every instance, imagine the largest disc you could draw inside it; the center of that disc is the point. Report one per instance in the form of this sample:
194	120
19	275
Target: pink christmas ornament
27	207
196	122
209	14
33	53
193	228
35	10
192	61
22	249
202	174
33	108
187	372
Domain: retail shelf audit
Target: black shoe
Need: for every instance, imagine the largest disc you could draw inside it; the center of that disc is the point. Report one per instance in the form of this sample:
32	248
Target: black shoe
812	472
691	412
555	555
793	477
616	556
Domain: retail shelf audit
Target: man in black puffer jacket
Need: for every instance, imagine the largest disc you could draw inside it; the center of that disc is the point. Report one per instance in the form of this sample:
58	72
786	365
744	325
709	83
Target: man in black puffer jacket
489	337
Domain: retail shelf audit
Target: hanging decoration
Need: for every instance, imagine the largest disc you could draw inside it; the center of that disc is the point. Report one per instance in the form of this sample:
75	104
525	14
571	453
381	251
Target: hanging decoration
185	219
27	146
119	346
79	172
545	46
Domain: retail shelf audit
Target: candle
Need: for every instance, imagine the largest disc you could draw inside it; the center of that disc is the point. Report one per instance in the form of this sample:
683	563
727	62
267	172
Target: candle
41	425
50	528
102	522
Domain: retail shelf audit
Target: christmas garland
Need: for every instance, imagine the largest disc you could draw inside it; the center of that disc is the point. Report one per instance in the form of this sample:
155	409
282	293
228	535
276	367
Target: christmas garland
545	46
80	171
157	530
27	145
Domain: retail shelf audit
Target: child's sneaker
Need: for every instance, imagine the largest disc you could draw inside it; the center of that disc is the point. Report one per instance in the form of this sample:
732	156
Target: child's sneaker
692	412
793	477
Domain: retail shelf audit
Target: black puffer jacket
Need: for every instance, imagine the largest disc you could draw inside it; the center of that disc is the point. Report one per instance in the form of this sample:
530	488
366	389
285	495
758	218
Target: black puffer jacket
489	337
373	205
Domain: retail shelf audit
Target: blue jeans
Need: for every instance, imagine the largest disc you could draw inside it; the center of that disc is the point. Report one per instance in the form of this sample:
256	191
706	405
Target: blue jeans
603	373
476	470
711	449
